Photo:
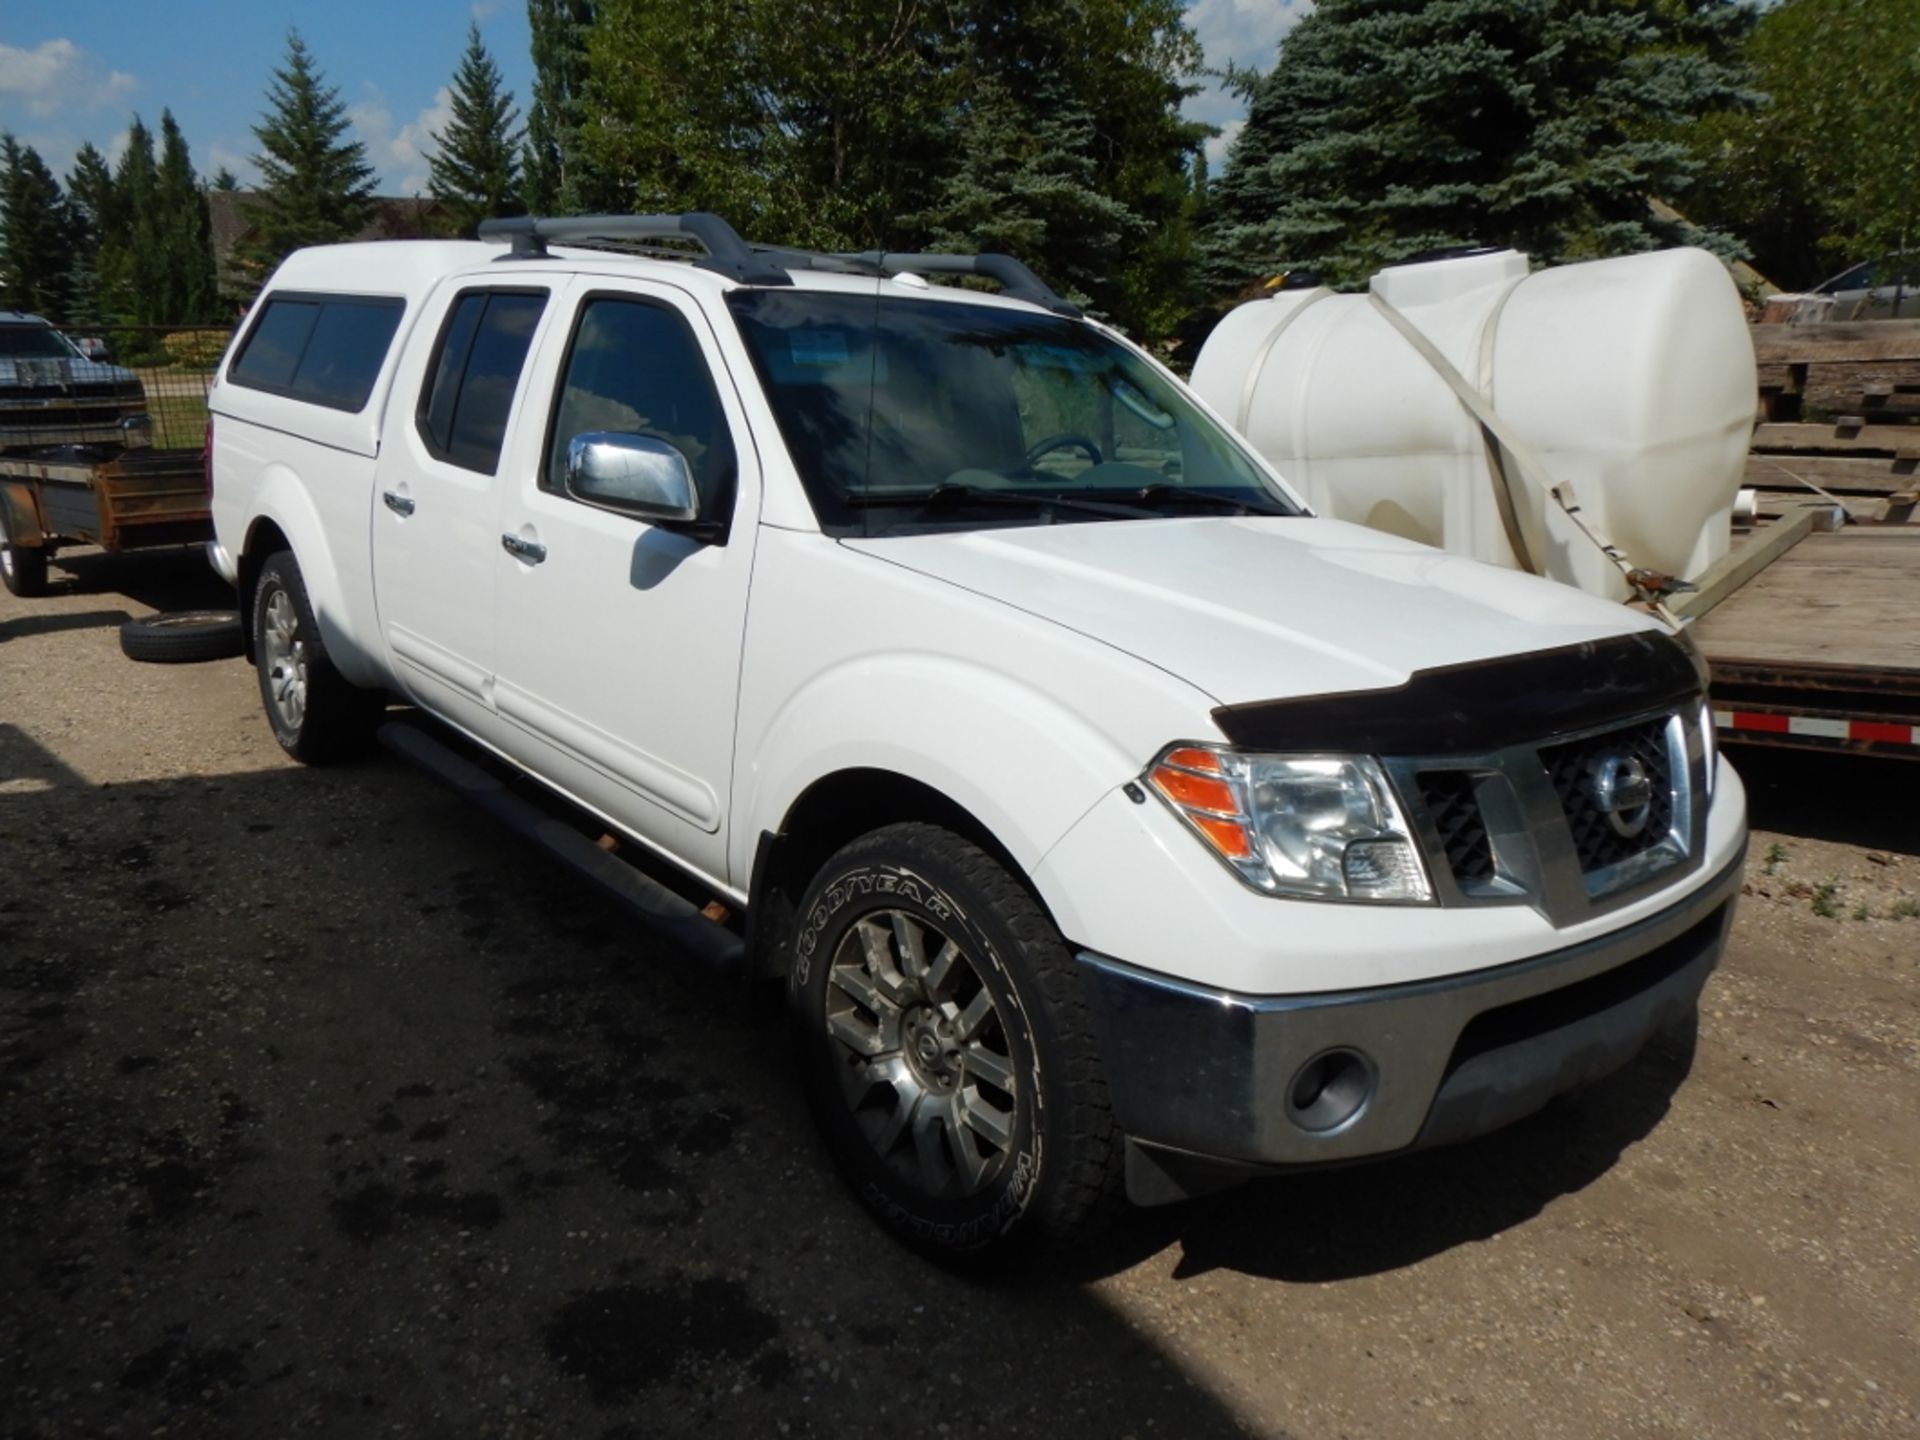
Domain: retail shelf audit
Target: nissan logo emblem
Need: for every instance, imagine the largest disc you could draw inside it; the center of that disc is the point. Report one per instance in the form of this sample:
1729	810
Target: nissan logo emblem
1624	794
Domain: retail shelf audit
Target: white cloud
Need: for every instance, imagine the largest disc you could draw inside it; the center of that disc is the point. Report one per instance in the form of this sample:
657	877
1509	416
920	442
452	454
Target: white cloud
400	155
58	75
1244	34
483	10
238	163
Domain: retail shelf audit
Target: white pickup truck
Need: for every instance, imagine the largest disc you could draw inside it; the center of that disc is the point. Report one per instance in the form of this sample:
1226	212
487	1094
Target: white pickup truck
1120	828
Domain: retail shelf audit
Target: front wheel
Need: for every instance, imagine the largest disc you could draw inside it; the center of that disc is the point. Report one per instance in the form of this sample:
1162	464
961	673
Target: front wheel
946	1048
316	714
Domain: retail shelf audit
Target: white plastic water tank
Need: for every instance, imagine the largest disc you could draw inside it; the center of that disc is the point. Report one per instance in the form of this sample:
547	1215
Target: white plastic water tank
1632	378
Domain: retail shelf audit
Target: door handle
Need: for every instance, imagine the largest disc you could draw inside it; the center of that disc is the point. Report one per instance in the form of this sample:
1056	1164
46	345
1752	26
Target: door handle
531	551
398	504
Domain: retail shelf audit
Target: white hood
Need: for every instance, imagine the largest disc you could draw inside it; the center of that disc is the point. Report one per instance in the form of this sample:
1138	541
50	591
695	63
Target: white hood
1256	608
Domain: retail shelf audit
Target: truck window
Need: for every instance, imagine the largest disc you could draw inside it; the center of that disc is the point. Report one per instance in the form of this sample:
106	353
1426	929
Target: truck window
323	349
476	369
635	367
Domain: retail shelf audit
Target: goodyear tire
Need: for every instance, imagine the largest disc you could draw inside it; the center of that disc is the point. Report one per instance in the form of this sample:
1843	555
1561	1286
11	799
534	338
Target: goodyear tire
184	637
946	1048
316	715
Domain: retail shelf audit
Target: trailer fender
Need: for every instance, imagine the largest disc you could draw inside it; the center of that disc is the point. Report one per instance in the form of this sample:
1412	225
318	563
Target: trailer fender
24	525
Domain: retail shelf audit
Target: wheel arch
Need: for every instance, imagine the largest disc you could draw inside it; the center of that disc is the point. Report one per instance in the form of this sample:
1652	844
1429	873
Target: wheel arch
264	538
833	810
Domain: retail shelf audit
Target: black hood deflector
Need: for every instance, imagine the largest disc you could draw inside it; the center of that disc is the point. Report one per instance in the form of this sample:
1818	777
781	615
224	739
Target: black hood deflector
1482	705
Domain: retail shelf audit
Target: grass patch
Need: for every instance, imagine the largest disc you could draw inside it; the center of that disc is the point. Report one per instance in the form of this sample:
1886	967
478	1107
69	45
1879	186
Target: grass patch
1823	894
1776	856
1906	908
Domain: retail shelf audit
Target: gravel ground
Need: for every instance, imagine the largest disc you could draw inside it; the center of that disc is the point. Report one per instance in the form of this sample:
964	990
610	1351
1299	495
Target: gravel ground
329	1109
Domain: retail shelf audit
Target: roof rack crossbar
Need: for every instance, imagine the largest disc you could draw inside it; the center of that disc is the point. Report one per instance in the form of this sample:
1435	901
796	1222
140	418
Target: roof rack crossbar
1016	281
727	254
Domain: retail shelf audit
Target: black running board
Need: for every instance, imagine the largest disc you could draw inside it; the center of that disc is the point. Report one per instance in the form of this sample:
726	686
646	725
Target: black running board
672	917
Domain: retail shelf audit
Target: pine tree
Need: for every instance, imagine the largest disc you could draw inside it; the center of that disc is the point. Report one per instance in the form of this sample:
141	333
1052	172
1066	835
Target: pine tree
475	171
1391	127
1025	184
316	185
224	181
186	290
553	178
35	234
131	264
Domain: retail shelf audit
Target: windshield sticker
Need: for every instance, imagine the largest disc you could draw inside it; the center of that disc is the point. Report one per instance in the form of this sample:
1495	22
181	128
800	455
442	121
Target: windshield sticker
818	346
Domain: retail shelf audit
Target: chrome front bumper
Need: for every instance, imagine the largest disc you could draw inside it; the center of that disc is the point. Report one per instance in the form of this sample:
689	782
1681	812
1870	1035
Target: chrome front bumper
1208	1083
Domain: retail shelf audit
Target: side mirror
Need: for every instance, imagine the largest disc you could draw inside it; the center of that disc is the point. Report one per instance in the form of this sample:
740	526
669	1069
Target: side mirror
634	474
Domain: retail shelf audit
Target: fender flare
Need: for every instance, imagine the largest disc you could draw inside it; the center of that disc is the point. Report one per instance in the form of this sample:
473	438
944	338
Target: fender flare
282	501
1024	764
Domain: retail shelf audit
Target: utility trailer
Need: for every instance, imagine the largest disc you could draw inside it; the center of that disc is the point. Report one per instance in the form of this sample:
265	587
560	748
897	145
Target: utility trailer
1812	622
120	499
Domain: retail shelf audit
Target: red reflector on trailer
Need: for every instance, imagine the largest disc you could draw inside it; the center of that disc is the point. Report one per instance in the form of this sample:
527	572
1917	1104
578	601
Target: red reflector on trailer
1773	724
1882	731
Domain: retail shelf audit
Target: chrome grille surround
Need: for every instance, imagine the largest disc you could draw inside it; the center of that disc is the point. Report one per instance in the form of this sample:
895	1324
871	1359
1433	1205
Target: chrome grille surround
1535	828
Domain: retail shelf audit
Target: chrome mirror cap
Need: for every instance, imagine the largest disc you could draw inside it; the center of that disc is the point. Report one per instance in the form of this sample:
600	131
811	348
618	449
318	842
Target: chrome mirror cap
634	474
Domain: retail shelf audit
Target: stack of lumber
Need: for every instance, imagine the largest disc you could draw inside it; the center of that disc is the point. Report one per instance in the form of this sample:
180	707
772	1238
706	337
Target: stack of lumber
1839	407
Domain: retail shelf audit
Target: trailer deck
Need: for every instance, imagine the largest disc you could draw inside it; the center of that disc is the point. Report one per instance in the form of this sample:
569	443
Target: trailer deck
1821	649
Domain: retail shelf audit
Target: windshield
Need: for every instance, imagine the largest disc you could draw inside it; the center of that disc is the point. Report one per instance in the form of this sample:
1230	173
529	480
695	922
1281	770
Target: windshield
983	415
33	342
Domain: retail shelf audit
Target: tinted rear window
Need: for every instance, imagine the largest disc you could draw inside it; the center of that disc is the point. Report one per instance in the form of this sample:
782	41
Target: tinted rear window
463	413
323	349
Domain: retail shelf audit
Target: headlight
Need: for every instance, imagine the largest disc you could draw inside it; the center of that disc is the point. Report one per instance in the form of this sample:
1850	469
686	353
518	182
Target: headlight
1321	827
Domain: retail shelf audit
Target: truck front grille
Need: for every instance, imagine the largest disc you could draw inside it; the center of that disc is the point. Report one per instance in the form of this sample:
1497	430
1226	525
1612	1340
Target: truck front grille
1454	809
1576	770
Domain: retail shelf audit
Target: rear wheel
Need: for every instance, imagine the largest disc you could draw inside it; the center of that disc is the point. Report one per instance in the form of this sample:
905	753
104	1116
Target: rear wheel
315	713
23	569
946	1048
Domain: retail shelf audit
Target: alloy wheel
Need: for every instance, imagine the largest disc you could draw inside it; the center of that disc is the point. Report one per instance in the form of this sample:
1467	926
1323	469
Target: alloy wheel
924	1062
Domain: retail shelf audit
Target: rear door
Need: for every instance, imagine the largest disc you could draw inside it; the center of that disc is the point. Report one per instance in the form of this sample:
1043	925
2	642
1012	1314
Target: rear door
436	540
619	640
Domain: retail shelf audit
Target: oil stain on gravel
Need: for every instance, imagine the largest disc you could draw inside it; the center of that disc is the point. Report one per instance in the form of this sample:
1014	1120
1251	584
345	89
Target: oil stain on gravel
628	1338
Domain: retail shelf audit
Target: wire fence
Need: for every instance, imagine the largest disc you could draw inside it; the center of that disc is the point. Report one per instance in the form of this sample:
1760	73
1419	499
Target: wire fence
130	385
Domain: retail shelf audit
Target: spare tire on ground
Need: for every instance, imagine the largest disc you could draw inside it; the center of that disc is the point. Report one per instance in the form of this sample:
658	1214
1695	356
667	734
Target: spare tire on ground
184	636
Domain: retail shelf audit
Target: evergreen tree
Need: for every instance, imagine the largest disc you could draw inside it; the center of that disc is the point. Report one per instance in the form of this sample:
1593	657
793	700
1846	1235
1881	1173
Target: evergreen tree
316	185
35	234
224	181
131	264
186	290
475	171
1027	186
552	175
94	214
1391	127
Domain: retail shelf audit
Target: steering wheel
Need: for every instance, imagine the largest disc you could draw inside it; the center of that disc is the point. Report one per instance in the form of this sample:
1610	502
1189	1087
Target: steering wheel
1060	442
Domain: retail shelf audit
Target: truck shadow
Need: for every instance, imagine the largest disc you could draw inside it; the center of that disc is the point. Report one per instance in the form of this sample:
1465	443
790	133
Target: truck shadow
347	1106
1366	1219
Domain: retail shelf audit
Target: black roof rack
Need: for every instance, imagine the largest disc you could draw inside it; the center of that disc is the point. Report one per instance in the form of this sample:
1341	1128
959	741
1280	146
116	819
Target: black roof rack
729	255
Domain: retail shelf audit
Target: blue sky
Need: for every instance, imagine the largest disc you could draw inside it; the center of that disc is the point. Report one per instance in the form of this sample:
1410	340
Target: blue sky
80	71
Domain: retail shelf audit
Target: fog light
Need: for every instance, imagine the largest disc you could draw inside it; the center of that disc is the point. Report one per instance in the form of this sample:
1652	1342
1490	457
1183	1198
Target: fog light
1330	1090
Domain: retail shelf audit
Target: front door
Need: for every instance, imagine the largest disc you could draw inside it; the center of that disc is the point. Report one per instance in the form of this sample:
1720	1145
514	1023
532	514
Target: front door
618	641
436	536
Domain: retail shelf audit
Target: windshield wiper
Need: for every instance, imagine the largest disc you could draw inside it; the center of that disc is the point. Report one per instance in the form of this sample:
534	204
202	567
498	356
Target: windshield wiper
951	495
1181	494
